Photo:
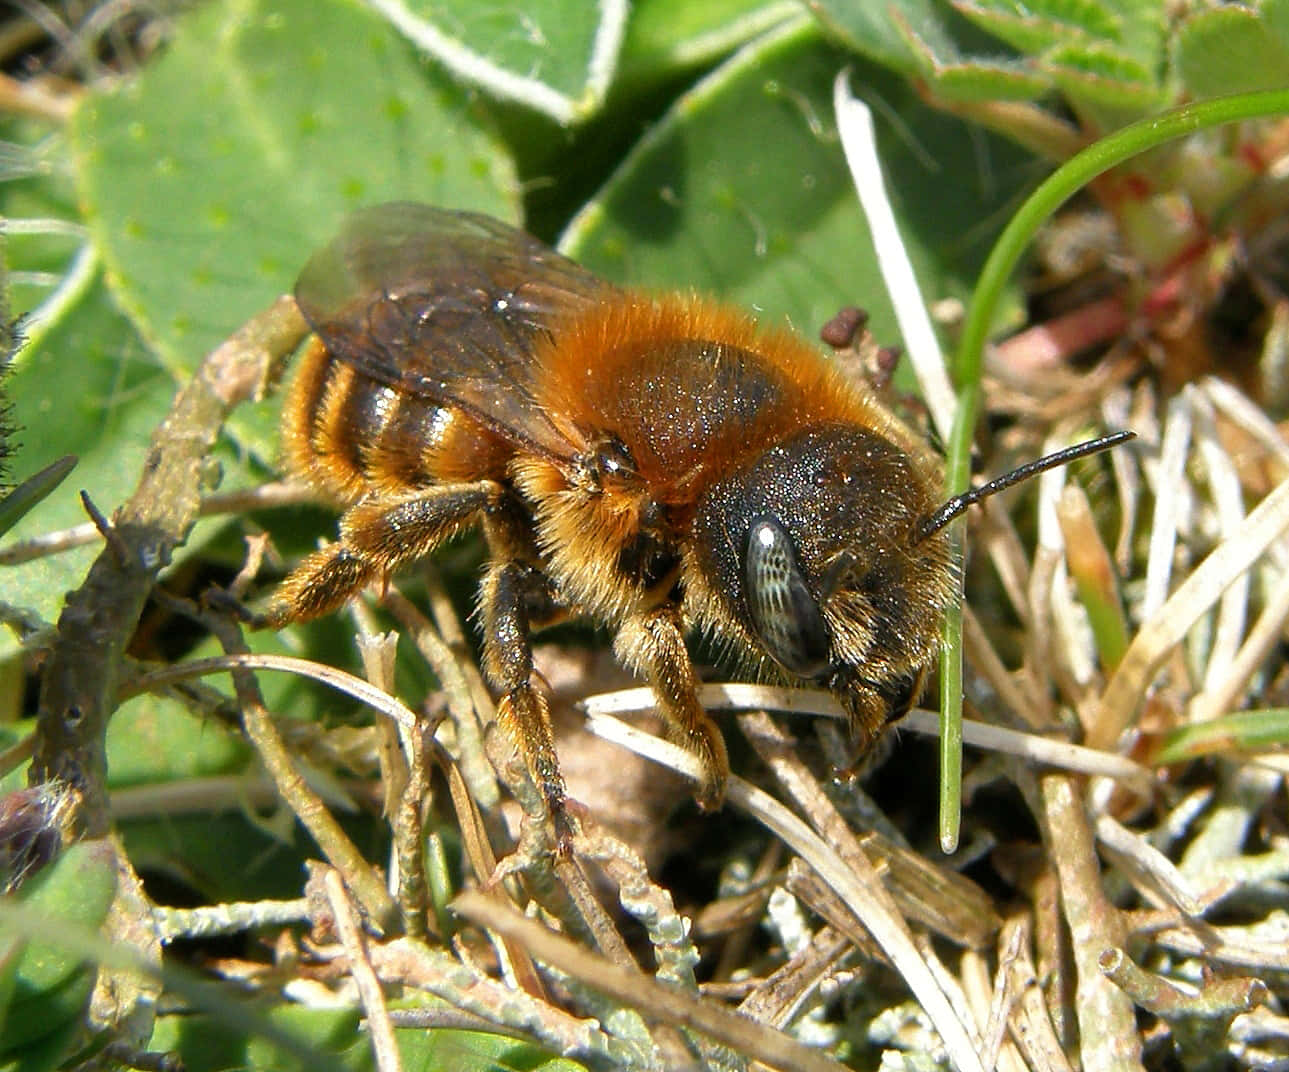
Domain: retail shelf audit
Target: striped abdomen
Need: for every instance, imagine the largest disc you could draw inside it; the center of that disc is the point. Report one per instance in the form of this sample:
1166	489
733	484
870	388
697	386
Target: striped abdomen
350	435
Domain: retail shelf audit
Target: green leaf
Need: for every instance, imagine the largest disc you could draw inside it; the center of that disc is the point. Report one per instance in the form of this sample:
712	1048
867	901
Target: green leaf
226	847
155	739
52	982
1107	86
189	831
41	1029
1033	26
476	1051
1275	16
78	887
701	204
1144	29
960	77
879	31
206	1045
42	236
89	387
981	80
1244	731
668	37
555	57
1230	50
18	503
209	179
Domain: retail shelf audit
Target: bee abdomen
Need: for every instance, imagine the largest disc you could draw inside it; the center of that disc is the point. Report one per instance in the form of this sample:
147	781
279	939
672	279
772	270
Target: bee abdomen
347	434
350	435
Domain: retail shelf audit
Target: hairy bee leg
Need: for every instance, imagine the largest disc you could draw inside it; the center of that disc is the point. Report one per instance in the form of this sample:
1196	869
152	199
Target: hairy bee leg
523	712
377	538
653	644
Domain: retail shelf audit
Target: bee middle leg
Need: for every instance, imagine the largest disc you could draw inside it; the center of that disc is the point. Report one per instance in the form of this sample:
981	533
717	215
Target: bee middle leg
509	588
652	643
377	538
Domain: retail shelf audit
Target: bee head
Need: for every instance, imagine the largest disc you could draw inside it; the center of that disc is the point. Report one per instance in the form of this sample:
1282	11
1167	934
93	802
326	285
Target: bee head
816	548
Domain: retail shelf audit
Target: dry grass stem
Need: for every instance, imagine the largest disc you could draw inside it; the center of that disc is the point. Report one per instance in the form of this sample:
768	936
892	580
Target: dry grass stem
384	1045
812	891
1247	415
360	690
1223	693
453	674
1007	554
852	877
1115	411
1032	710
590	912
309	808
1156	878
854	889
378	652
1263	949
1170	487
1157	637
1227	498
1052	961
733	696
403	775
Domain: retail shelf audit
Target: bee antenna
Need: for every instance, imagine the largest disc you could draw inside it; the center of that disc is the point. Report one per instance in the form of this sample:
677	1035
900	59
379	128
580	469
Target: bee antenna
959	503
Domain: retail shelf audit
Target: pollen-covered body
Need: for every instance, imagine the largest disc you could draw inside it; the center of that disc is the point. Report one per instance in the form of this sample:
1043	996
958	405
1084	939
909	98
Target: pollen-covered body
688	391
656	464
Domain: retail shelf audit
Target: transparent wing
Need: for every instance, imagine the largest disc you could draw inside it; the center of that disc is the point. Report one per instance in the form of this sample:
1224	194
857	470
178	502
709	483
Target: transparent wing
449	305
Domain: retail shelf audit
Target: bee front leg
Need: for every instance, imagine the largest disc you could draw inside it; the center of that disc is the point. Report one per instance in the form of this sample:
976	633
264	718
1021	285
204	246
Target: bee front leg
377	538
524	714
652	644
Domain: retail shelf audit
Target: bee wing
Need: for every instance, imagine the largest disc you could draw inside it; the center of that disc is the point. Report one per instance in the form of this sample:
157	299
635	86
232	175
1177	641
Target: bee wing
448	305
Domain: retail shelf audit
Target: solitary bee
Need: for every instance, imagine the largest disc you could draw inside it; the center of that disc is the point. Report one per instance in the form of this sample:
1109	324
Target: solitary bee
655	463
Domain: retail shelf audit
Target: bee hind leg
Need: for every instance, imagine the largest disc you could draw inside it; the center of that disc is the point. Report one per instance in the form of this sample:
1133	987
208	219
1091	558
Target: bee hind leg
377	538
652	643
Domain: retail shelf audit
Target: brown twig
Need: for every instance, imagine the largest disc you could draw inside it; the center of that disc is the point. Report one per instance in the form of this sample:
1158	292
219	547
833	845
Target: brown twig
1107	1025
471	992
636	990
403	767
780	998
1031	1026
79	685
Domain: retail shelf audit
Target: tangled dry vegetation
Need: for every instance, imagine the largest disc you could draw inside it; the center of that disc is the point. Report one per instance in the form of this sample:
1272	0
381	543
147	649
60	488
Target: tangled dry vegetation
1115	904
1118	899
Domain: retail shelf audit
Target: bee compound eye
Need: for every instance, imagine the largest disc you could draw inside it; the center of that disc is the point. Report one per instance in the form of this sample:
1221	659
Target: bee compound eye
784	613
